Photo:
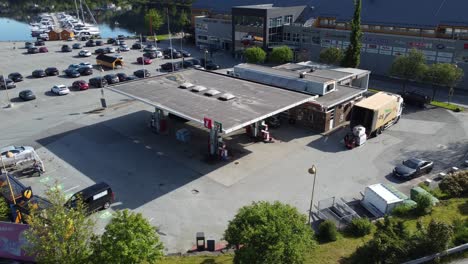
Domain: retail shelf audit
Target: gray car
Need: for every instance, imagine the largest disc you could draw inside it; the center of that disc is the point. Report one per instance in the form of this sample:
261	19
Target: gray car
413	167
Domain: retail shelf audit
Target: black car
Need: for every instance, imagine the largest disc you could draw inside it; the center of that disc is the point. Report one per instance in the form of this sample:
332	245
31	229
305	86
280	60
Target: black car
90	43
84	38
95	197
185	53
7	83
122	76
15	76
187	64
77	46
142	73
33	50
171	66
150	54
211	66
51	71
99	43
100	51
412	168
39	43
131	78
66	48
203	61
111	78
194	61
72	73
85	71
98	82
27	95
121	37
111	41
136	46
175	55
39	74
415	98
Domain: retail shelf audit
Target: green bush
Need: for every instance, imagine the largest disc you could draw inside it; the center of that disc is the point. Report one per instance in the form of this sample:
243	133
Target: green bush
460	230
327	231
255	55
403	210
455	185
360	227
424	204
4	210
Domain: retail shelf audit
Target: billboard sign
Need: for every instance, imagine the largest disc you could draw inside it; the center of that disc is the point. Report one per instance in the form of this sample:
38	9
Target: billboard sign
12	241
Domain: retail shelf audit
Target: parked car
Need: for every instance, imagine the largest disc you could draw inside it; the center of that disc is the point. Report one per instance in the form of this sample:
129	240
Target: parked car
90	43
110	41
120	37
144	60
80	85
98	82
39	43
415	98
95	197
413	167
74	66
60	89
15	76
52	71
122	76
150	47
185	53
43	50
131	78
99	43
28	45
120	42
72	73
13	154
77	46
187	64
111	78
33	50
123	48
70	39
142	73
100	51
170	66
109	50
26	95
136	46
39	74
66	48
150	54
85	71
194	61
85	65
84	53
7	83
211	66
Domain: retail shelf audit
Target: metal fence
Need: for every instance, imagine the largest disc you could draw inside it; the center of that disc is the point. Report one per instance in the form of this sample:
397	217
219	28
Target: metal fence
337	211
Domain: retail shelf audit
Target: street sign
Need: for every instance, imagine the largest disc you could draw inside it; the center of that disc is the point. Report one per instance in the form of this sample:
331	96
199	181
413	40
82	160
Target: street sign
218	126
208	123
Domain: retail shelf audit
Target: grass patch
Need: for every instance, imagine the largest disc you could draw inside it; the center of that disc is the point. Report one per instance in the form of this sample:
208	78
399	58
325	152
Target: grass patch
373	90
159	37
448	106
335	252
437	192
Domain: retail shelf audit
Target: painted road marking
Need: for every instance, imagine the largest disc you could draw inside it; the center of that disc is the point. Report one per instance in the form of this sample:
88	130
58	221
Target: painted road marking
105	215
74	187
44	180
60	187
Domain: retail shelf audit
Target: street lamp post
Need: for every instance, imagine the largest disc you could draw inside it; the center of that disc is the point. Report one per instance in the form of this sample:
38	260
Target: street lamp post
9	104
313	171
206	53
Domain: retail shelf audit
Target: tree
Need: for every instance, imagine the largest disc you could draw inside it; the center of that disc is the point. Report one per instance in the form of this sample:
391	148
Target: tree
353	52
331	56
153	20
423	204
434	238
255	55
4	209
409	67
128	238
281	54
327	231
183	20
269	233
359	227
443	74
455	185
58	233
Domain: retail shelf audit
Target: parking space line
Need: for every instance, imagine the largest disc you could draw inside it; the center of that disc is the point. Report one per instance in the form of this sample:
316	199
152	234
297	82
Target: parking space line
74	187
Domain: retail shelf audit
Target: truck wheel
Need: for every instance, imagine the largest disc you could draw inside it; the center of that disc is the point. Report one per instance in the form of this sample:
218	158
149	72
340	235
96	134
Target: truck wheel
379	131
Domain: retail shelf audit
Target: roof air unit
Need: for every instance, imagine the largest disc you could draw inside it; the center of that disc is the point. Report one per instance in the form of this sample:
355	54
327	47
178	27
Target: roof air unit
185	85
212	92
226	97
198	88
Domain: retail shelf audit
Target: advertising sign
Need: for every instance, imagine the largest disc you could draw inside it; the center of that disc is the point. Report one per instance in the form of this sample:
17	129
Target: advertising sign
208	123
12	240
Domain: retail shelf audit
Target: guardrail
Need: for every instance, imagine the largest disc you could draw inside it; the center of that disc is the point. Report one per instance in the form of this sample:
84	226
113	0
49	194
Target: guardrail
450	251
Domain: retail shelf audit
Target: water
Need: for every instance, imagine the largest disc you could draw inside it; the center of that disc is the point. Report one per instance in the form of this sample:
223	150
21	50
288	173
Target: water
12	30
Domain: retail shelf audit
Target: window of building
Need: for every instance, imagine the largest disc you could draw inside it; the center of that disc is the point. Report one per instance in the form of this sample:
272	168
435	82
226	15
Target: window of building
330	87
305	38
324	22
287	36
428	31
288	19
296	37
270	22
279	21
414	30
201	37
364	26
340	24
375	27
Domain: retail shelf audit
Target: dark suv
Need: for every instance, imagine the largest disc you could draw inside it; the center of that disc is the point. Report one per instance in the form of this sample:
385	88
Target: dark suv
16	76
51	71
95	197
142	73
66	48
415	98
98	82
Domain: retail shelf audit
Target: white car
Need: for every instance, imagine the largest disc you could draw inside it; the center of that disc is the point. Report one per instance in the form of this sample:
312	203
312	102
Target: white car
13	154
85	65
159	54
124	48
84	53
60	89
110	50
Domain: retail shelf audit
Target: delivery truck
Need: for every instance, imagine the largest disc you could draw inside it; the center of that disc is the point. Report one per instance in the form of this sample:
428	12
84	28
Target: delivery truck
371	116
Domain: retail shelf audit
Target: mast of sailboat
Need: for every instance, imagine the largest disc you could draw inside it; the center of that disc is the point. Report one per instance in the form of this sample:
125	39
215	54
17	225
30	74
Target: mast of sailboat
82	12
77	12
90	14
170	40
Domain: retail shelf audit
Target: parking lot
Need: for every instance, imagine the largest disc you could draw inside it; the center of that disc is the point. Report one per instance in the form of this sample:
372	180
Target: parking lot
170	182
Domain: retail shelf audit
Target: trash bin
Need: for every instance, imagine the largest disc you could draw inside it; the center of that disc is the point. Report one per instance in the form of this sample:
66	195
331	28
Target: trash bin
200	241
210	244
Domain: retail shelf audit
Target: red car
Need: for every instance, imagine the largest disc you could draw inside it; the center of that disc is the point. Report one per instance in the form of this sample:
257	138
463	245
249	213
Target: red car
144	60
43	50
80	85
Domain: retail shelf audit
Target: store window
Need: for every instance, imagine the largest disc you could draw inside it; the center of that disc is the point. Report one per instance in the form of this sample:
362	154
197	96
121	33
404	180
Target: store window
296	37
287	36
288	20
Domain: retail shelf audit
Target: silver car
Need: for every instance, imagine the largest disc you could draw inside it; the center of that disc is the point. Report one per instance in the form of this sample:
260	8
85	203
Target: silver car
13	154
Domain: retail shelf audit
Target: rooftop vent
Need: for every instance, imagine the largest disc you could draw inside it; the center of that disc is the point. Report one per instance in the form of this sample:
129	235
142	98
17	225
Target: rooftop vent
198	88
226	97
185	85
302	75
212	92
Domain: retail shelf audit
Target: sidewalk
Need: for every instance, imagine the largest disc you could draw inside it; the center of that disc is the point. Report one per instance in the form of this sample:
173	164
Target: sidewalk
460	97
